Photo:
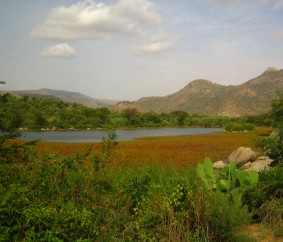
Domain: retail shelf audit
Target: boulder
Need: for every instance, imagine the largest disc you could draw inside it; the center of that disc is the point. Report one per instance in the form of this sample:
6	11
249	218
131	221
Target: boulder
219	164
241	156
260	164
247	165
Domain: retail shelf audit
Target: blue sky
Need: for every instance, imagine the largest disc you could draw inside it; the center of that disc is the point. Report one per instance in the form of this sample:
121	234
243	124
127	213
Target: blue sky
128	49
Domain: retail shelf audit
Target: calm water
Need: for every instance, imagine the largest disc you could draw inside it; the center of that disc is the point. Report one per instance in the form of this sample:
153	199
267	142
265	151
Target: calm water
95	135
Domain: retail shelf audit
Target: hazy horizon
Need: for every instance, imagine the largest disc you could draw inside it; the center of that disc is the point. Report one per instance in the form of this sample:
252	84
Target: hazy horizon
128	49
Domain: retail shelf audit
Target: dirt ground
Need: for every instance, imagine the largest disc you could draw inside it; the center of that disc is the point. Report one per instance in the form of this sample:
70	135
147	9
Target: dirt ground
262	234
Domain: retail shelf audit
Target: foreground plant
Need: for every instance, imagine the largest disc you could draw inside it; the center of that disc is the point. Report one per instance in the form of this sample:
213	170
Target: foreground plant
226	188
100	159
231	181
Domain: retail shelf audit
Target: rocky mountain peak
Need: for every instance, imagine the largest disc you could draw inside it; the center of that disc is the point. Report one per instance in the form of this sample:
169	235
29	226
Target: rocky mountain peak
200	82
270	69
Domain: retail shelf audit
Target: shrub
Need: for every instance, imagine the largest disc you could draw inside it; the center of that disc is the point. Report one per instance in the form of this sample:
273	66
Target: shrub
272	146
272	214
269	186
239	127
12	152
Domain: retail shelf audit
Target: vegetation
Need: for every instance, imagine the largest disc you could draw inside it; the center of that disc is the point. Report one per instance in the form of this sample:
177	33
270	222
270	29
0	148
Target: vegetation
88	196
239	127
273	145
182	151
35	113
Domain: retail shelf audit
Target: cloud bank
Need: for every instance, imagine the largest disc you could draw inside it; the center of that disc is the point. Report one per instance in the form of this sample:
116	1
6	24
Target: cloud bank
88	19
91	20
59	51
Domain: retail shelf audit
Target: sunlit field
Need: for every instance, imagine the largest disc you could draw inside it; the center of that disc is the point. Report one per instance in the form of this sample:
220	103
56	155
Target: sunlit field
181	151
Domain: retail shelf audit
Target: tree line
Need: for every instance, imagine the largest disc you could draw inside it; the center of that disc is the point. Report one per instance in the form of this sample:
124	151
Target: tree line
39	113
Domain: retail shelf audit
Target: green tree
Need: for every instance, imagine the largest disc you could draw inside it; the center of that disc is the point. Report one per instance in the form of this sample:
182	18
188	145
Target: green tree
180	117
10	113
276	112
39	120
130	114
149	119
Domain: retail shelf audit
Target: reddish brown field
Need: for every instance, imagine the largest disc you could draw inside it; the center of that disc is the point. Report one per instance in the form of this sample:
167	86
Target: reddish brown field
181	151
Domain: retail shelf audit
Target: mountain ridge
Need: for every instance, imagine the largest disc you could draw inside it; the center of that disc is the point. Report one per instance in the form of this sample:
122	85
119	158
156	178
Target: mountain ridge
204	97
66	96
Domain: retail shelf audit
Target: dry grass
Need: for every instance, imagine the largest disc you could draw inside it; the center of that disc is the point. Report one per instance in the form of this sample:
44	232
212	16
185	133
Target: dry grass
181	151
260	233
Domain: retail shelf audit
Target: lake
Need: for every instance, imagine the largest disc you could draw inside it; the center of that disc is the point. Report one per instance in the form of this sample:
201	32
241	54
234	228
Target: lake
78	136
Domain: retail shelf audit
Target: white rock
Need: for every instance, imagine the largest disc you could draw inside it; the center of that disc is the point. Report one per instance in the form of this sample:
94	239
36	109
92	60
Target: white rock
218	164
260	164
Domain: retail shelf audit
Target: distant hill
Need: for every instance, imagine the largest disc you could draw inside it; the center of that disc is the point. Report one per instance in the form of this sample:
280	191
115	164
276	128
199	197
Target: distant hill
207	98
65	96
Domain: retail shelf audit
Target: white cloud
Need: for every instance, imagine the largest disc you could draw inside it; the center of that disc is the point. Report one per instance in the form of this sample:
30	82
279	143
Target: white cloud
158	43
152	48
89	19
60	51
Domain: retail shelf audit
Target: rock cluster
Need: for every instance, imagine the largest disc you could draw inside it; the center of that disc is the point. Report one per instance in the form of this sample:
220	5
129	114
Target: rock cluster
246	158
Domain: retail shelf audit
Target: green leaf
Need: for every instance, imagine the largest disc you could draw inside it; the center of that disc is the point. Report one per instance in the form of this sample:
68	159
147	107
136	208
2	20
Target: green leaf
208	167
226	171
253	177
223	185
233	170
237	197
242	176
201	173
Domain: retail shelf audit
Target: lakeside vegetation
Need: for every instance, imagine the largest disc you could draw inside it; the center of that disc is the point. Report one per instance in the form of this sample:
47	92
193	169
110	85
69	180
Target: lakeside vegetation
37	113
145	190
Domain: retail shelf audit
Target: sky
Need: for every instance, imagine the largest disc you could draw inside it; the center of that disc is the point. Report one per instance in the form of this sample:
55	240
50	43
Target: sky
129	49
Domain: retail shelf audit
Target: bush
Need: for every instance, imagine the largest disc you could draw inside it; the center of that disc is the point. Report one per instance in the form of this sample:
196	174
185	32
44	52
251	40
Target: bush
272	146
269	186
13	152
239	127
272	214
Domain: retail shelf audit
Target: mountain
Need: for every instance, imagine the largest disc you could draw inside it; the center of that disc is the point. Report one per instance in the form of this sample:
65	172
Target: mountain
65	96
206	98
